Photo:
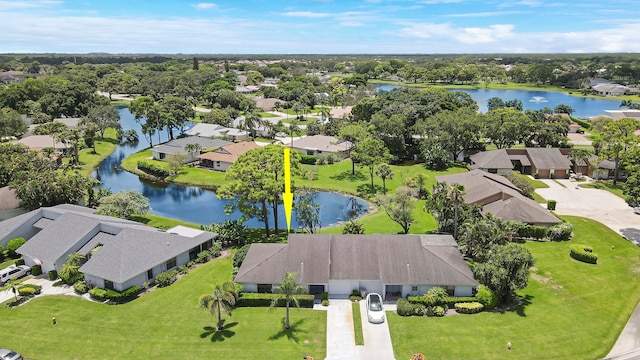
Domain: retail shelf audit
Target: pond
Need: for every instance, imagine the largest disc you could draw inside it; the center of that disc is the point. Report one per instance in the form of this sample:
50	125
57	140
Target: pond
536	100
193	204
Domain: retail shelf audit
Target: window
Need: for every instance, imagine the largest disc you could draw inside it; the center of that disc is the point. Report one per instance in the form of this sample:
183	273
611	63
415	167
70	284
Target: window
492	171
162	156
207	244
171	263
218	163
264	288
414	288
193	253
149	274
108	285
450	290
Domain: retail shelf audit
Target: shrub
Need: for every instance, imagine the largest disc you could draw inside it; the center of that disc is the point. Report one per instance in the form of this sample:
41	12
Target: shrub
560	232
152	169
53	275
166	278
355	292
486	297
238	258
308	159
551	204
330	159
469	308
583	253
191	264
437	295
320	160
450	301
20	262
183	269
36	270
325	296
36	288
13	245
355	298
26	291
215	250
437	310
406	308
532	232
551	176
98	294
536	176
203	257
81	287
264	300
325	302
231	231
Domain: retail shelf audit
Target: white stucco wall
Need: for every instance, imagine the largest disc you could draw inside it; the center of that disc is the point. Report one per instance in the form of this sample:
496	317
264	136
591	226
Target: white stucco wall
463	291
342	287
136	281
222	167
182	259
372	286
96	281
26	231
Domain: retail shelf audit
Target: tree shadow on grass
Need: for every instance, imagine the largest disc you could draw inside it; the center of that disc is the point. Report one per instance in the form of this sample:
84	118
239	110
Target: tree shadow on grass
365	190
517	305
292	333
524	302
218	335
346	175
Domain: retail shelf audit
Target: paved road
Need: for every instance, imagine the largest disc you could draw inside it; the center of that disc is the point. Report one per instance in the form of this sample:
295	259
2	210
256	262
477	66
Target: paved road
594	204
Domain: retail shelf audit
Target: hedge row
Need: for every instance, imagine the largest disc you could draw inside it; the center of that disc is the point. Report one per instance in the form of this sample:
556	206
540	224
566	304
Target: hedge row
29	290
449	301
407	308
308	159
581	122
115	296
36	270
469	308
264	300
583	253
152	169
559	232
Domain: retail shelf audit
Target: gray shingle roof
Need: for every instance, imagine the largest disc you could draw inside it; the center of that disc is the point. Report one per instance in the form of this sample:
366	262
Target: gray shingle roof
548	158
494	159
177	146
431	259
134	251
520	209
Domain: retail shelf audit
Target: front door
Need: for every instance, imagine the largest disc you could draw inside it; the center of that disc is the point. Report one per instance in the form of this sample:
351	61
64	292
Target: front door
316	290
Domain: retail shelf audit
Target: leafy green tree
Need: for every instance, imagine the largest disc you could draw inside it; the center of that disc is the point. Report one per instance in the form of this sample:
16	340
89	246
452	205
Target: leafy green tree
193	149
563	109
224	298
217	116
631	187
124	204
11	123
435	156
578	156
441	204
176	113
507	126
307	210
102	117
521	183
232	232
370	152
13	245
456	131
399	206
456	193
505	270
175	162
50	188
495	103
353	133
616	139
479	236
287	289
255	182
384	172
70	271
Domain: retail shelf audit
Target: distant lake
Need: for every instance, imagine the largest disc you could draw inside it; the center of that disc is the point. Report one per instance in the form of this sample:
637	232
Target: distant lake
536	100
193	204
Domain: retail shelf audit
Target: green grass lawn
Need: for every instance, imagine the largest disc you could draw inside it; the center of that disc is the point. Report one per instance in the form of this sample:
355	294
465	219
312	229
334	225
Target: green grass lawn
571	310
104	147
606	185
357	323
164	324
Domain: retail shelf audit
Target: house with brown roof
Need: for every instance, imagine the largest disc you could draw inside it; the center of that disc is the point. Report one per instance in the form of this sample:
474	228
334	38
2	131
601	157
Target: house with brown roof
545	162
340	112
321	145
39	142
391	265
267	104
499	196
225	156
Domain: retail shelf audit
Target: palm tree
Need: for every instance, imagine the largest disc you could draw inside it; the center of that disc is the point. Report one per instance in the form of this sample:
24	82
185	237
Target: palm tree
193	149
578	156
70	271
385	172
287	288
293	128
456	192
224	297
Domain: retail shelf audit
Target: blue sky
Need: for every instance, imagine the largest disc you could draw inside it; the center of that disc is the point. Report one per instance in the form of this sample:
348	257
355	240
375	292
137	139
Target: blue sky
320	26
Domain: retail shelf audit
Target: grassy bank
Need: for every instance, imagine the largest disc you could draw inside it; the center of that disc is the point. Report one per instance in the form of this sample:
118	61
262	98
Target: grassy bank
164	324
570	310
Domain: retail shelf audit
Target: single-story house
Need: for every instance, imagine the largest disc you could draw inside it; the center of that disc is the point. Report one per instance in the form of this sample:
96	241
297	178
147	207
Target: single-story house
70	123
529	161
340	112
177	147
217	131
610	89
223	157
495	161
321	145
391	265
267	104
119	253
39	142
621	114
249	89
499	196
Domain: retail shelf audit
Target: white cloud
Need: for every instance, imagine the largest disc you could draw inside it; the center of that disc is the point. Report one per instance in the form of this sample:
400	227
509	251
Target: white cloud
446	31
486	14
204	6
306	14
27	4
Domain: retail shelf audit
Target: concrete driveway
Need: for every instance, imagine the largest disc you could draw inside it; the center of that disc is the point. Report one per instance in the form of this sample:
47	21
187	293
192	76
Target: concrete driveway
596	204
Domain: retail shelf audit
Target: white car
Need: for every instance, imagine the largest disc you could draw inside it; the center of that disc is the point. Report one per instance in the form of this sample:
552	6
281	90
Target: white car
13	272
6	354
375	310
